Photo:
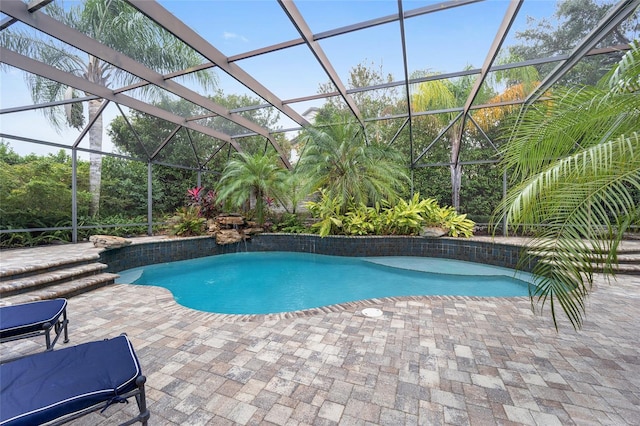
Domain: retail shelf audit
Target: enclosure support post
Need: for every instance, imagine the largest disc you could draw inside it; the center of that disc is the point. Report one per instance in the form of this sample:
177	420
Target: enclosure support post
412	178
199	183
504	197
74	196
149	200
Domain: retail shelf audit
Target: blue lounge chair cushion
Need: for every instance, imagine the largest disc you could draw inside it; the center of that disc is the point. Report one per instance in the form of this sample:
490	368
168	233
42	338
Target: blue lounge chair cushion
29	317
48	385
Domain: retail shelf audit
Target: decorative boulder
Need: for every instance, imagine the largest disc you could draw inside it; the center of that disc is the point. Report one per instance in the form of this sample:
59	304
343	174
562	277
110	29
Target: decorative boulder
228	236
108	241
212	226
253	231
433	232
231	220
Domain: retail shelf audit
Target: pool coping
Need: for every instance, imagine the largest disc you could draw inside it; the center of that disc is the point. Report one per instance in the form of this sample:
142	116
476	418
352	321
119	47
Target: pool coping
169	303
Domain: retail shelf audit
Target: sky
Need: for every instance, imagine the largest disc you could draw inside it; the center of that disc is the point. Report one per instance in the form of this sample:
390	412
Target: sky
446	41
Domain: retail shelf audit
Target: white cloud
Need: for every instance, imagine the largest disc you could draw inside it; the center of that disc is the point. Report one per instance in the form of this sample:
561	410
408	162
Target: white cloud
233	36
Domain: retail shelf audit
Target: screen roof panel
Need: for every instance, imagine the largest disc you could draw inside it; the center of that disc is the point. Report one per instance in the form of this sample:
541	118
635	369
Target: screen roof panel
450	40
322	15
288	73
234	26
248	42
379	47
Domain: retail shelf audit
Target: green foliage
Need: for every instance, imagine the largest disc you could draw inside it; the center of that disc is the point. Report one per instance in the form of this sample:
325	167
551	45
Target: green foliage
576	164
290	223
35	192
328	210
337	159
124	187
117	225
187	222
408	218
112	225
359	220
403	218
8	155
34	238
456	225
245	175
573	20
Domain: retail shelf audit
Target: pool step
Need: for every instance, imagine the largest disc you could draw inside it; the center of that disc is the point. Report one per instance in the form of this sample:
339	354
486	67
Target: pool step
46	263
66	289
66	278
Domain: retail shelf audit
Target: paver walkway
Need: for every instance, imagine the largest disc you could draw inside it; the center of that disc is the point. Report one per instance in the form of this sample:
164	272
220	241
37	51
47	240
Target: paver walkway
427	360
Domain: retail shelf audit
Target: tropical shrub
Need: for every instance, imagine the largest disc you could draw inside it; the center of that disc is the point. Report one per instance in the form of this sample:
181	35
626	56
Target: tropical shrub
455	224
327	211
408	218
118	225
290	223
404	218
207	203
360	220
187	222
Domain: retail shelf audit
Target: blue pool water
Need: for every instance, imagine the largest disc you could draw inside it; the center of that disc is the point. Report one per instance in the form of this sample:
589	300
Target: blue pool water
271	282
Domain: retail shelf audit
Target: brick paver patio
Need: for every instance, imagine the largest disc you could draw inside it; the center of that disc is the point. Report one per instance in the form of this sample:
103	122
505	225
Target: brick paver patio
427	360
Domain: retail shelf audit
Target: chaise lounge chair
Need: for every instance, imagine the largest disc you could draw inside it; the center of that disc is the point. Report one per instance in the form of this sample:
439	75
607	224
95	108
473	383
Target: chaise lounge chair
62	385
34	319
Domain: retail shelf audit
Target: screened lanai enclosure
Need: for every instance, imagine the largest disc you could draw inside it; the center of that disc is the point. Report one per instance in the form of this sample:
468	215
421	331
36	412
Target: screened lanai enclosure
113	109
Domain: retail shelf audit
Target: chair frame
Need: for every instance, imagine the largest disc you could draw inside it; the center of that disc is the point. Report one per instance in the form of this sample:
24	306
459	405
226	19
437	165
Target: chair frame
141	400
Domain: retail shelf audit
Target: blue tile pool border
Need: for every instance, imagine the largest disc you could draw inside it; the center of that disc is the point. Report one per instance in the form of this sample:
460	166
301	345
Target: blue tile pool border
174	249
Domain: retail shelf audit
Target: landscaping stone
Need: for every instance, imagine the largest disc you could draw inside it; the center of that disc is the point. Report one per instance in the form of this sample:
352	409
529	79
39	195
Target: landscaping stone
108	241
433	231
231	220
229	236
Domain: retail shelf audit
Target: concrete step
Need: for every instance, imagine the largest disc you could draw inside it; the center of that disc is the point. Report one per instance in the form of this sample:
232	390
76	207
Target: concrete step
36	266
628	268
35	281
629	258
65	289
632	268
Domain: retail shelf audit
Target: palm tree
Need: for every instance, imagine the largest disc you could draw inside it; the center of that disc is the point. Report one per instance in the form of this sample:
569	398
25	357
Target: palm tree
337	158
443	95
117	25
576	161
251	174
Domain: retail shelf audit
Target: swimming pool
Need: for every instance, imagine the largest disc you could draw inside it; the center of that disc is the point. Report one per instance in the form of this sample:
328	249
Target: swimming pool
273	282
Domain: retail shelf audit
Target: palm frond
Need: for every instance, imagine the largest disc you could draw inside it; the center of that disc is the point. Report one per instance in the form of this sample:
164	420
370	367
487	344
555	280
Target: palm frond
576	120
576	162
625	76
338	159
578	201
